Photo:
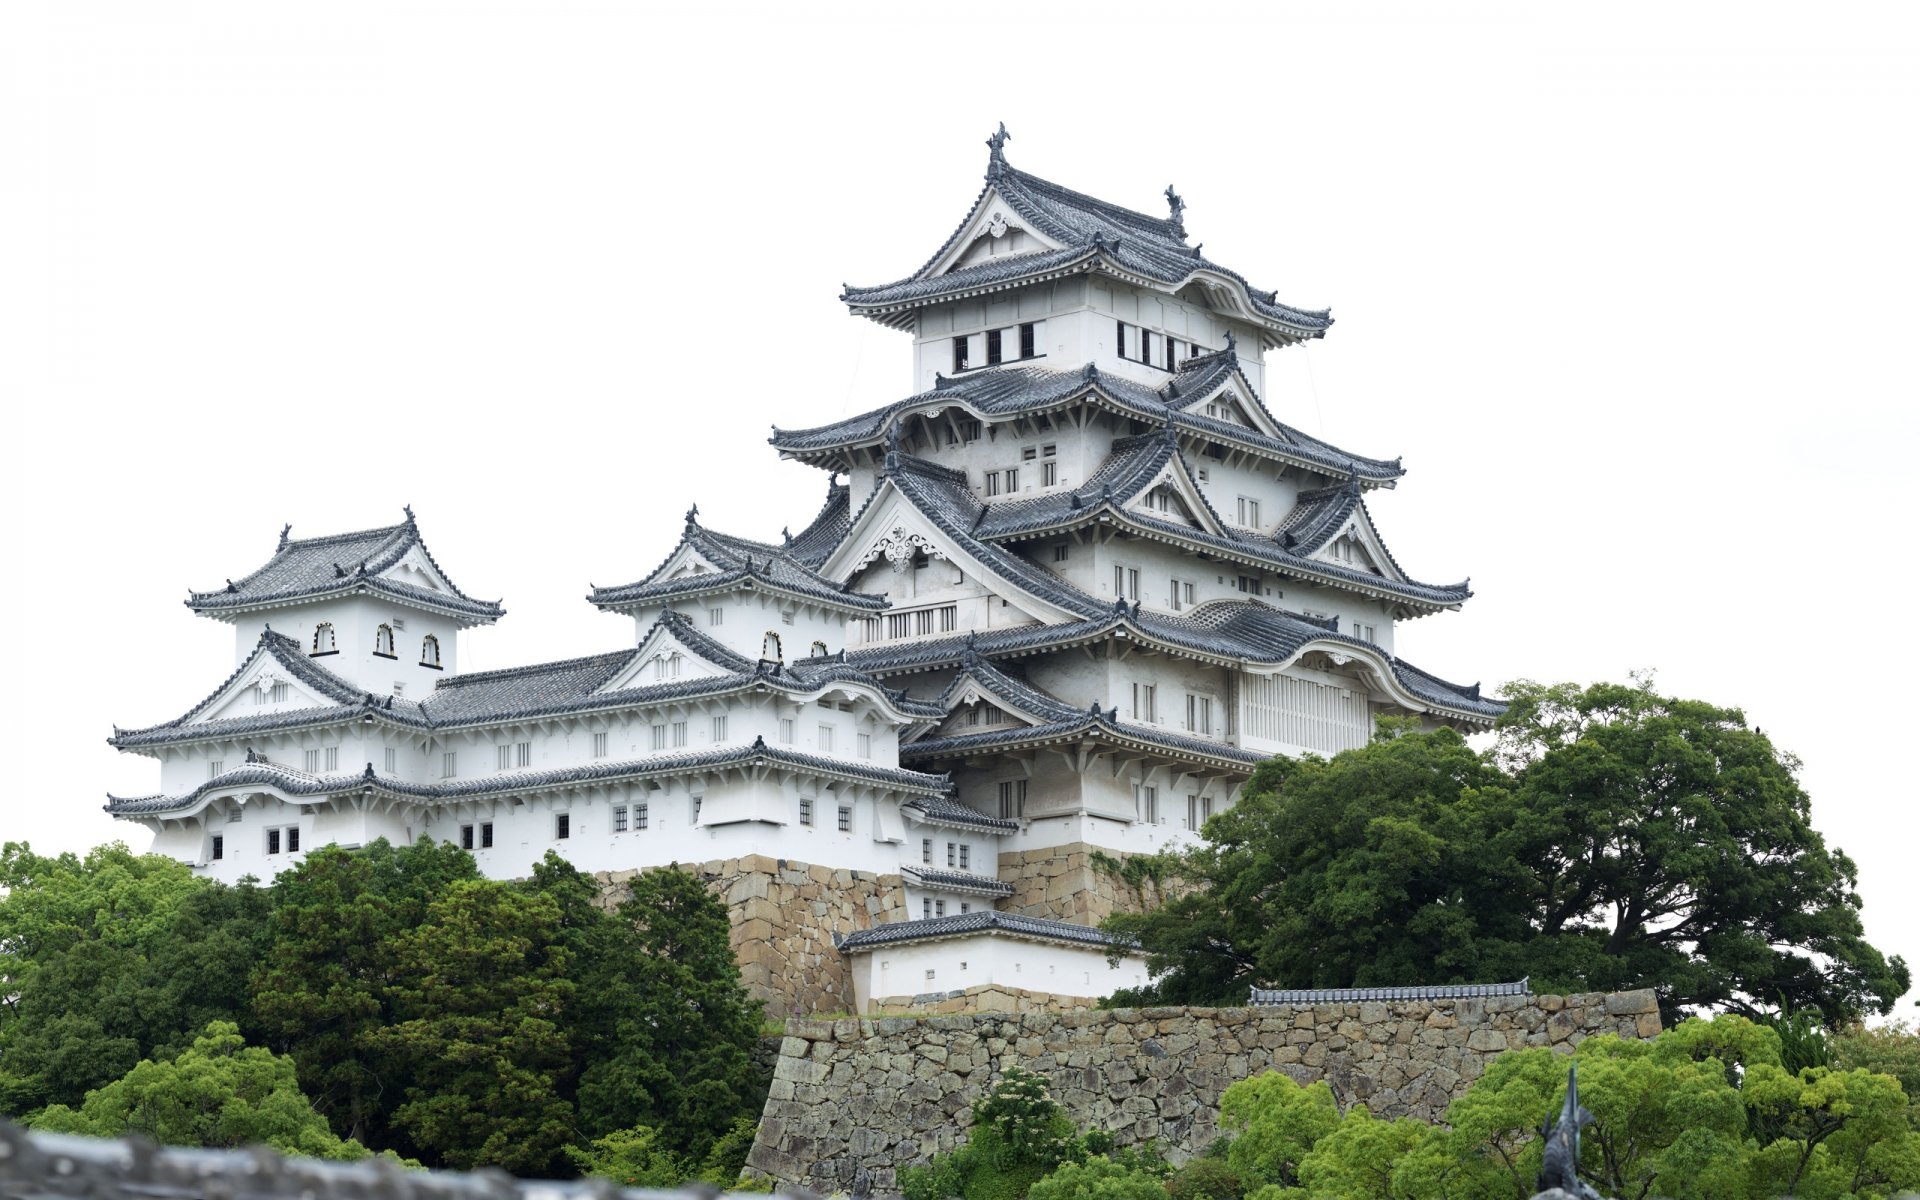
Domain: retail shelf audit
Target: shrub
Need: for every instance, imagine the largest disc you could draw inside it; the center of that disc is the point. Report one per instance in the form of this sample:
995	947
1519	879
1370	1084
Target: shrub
1206	1178
1099	1178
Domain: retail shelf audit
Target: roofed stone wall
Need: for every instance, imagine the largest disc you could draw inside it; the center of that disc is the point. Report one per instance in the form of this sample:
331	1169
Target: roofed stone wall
860	1096
784	915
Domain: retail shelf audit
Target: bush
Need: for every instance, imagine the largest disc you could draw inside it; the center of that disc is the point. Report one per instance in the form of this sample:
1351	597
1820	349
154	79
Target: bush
1206	1178
1099	1178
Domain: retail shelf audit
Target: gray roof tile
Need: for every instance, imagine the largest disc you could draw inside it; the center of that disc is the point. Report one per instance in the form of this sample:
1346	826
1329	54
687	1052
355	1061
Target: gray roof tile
1093	234
740	562
959	881
1016	390
298	783
1435	991
314	568
981	921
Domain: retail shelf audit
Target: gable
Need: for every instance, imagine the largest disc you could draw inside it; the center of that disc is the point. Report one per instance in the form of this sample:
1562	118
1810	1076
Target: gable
993	230
415	569
1234	403
263	689
663	658
1166	502
975	711
1358	546
685	563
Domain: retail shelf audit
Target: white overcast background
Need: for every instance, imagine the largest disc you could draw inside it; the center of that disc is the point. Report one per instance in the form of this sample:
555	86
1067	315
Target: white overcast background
1631	287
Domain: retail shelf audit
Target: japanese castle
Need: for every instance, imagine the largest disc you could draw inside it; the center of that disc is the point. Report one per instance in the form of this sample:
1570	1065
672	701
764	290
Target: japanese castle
1059	600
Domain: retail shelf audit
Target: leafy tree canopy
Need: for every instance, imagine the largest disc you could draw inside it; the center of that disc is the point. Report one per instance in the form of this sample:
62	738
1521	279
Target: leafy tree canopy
220	1092
1614	838
109	959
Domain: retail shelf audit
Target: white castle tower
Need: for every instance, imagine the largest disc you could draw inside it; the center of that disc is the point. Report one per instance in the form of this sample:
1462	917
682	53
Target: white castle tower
1070	592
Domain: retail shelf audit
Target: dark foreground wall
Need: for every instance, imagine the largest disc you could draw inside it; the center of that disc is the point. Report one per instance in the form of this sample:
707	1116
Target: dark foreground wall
42	1166
857	1099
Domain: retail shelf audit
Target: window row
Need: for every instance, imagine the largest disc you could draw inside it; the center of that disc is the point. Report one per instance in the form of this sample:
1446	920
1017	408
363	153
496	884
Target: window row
1146	709
1020	339
1147	804
921	622
930	909
959	854
1154	349
326	641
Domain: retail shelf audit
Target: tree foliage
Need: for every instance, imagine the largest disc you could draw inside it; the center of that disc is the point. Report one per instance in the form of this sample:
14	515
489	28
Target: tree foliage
1703	1112
425	1011
110	959
220	1092
1613	839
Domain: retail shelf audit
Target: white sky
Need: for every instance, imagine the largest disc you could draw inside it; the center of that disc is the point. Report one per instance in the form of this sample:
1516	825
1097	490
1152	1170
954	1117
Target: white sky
1632	288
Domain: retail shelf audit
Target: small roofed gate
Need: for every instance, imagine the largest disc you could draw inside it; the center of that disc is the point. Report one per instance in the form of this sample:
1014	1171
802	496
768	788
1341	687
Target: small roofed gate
1291	711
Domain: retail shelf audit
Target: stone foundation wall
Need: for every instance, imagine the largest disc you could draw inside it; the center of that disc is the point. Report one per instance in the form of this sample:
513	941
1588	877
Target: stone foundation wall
871	1096
784	915
1062	882
986	998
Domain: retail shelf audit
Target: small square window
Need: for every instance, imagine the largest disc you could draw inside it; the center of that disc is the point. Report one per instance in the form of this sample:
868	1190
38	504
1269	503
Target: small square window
1060	553
619	818
846	819
806	811
640	816
486	835
562	826
466	837
273	841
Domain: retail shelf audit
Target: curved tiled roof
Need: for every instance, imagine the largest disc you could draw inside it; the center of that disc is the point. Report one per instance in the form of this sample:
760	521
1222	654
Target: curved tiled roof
1434	991
520	693
956	881
945	810
741	563
1005	392
294	783
1091	234
315	568
1043	929
1230	630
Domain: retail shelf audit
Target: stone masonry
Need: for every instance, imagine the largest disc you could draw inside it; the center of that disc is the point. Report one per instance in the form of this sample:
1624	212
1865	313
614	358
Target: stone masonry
881	1094
1063	882
784	915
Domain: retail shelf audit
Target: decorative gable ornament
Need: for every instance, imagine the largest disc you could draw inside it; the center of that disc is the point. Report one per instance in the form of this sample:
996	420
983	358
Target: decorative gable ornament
997	227
898	546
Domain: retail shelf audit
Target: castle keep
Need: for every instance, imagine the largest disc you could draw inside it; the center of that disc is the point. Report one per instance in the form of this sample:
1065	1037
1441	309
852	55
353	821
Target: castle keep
1059	600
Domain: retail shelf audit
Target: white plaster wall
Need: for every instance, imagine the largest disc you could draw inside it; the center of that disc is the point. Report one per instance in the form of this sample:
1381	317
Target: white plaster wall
951	964
354	620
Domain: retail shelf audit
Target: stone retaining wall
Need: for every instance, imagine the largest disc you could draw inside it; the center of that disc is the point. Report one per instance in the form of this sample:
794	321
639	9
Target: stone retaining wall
874	1095
784	915
1062	882
986	998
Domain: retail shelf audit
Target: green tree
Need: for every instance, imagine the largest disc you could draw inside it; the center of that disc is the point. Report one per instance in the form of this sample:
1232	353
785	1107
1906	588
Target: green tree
322	990
477	997
1098	1178
108	960
1673	847
631	1158
680	1058
220	1092
1614	839
1390	864
1275	1123
1018	1136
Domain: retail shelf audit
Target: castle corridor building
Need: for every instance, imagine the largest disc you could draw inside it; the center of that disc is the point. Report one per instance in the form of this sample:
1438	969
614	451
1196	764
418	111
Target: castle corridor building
1058	602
